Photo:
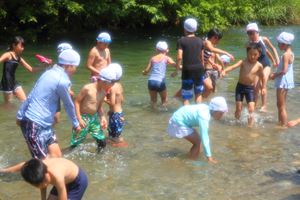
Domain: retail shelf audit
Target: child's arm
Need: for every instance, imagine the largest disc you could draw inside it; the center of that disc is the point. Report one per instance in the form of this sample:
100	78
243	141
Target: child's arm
147	69
171	62
60	186
269	44
211	47
77	103
28	67
90	61
271	58
293	122
232	67
13	169
262	78
178	62
286	58
108	57
103	121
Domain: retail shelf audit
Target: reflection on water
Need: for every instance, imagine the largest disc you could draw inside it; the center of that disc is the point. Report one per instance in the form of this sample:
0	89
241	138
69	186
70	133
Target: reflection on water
253	163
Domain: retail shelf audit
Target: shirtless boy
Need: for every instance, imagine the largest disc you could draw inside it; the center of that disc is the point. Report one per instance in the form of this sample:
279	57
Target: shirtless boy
88	106
99	56
69	181
250	69
115	99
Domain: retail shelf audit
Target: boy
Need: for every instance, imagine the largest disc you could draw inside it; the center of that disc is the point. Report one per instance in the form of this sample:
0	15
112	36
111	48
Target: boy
115	99
185	118
250	69
36	114
99	56
189	52
69	181
88	106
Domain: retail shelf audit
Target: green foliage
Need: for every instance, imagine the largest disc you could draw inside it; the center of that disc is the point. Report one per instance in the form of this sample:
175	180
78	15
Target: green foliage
43	19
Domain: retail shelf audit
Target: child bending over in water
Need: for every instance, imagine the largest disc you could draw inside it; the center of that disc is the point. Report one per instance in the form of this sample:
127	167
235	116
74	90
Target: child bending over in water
68	180
11	60
250	69
284	77
158	66
116	120
88	106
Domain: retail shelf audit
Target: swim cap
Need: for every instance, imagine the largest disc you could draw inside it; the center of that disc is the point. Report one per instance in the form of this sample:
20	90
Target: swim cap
104	37
63	46
190	25
225	59
162	46
252	27
285	38
111	73
69	57
218	104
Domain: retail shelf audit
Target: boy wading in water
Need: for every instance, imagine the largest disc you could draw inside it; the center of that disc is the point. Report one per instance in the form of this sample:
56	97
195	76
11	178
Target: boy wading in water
250	70
88	106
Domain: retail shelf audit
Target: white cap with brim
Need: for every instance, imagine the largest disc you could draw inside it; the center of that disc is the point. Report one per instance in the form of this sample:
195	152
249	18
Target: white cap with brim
190	25
112	73
69	57
104	37
162	46
252	27
63	46
218	104
285	38
225	59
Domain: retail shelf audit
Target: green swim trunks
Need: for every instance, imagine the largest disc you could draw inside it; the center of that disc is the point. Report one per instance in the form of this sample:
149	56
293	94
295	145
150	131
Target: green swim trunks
93	127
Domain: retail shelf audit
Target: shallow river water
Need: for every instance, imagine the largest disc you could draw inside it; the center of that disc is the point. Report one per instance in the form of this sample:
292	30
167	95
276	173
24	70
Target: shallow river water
253	163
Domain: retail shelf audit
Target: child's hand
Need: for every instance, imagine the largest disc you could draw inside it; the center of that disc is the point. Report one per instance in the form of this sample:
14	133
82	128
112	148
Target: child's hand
231	57
103	123
77	129
212	160
223	73
82	123
272	76
174	74
144	72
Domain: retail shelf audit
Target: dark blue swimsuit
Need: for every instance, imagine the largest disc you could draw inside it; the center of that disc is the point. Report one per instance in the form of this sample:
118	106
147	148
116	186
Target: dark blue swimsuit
8	81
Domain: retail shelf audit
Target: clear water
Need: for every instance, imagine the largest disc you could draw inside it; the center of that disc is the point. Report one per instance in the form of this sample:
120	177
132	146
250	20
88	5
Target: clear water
258	163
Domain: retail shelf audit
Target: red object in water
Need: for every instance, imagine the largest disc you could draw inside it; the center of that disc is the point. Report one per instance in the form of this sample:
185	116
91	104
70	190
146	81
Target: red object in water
43	59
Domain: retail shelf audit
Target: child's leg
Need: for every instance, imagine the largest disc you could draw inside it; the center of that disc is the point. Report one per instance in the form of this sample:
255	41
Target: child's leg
251	107
208	87
266	71
195	139
54	150
7	97
20	94
281	105
238	109
163	97
153	97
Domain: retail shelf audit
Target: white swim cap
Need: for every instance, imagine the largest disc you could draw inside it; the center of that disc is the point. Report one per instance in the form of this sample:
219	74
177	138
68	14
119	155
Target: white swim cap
69	57
112	73
104	37
162	46
285	38
225	59
218	104
190	25
252	27
63	46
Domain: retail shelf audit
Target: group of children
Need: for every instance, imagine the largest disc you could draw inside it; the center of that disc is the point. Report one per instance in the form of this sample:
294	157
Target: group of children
201	64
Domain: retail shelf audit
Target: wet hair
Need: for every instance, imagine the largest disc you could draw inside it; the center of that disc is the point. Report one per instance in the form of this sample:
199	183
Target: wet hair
33	171
252	45
15	41
214	32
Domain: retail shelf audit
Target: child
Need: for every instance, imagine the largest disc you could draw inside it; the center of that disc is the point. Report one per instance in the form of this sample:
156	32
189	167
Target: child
68	180
212	68
116	120
189	52
156	81
11	60
88	106
250	69
185	118
284	77
99	56
264	43
36	114
293	122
